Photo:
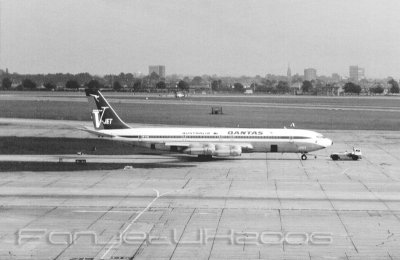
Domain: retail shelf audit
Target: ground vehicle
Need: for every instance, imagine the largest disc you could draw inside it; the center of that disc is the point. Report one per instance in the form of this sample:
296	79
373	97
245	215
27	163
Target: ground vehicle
354	155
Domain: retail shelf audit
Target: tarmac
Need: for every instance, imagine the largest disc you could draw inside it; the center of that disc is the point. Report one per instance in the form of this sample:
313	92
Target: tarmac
257	206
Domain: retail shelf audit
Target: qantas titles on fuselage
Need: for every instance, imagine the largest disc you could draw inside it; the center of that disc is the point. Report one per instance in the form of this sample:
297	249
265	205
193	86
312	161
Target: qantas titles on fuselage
245	133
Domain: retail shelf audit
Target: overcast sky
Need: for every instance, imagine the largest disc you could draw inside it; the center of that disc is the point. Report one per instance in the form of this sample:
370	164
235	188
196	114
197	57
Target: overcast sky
224	37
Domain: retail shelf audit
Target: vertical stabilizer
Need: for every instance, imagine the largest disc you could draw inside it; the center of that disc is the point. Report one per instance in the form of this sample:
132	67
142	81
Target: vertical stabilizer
103	115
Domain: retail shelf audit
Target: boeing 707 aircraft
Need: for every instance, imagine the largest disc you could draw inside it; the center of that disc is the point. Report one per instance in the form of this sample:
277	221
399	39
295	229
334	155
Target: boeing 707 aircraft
203	142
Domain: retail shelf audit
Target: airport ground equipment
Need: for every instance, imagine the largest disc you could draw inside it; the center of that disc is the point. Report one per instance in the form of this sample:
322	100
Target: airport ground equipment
353	155
216	110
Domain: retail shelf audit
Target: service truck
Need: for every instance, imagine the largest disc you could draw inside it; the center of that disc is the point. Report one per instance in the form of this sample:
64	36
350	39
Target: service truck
353	155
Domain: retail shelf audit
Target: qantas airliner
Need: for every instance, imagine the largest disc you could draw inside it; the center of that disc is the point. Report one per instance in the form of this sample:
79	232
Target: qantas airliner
203	142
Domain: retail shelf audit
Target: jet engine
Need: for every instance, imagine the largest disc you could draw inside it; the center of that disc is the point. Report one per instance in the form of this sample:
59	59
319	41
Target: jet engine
220	150
207	149
227	150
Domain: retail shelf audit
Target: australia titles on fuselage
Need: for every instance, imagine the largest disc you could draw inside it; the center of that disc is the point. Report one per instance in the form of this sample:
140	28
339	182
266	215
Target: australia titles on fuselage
196	133
229	133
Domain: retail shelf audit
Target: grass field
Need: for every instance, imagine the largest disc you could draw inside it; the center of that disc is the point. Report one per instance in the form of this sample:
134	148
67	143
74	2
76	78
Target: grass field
366	101
234	116
42	145
39	145
314	115
55	166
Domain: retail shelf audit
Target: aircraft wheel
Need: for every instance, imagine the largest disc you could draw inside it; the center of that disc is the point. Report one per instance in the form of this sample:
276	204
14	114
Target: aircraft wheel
304	157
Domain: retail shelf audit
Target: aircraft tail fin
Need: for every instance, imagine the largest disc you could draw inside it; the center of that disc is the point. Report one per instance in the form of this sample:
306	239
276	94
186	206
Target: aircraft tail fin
103	115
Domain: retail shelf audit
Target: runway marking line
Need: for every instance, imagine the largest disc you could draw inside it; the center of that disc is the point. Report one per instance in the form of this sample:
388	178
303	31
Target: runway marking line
135	219
102	211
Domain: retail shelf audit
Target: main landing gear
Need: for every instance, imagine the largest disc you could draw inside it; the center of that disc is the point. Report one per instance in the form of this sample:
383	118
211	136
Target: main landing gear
304	157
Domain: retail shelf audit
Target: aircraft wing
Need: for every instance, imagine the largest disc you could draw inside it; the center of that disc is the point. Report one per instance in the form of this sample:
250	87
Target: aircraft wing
245	146
180	144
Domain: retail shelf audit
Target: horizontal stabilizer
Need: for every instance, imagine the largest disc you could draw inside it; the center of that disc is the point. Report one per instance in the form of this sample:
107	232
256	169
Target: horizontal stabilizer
98	133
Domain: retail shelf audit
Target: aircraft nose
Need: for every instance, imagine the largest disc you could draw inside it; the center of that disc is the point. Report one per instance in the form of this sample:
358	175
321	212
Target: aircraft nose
326	142
329	142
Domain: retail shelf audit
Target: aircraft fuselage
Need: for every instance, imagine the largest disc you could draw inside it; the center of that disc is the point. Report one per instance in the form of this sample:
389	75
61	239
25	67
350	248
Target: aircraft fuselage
250	139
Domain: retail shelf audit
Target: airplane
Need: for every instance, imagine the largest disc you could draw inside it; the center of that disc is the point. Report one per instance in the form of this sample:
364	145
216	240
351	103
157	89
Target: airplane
200	141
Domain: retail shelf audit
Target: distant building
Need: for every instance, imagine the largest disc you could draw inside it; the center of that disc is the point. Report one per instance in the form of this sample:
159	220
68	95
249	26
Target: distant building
356	73
159	69
336	77
289	74
310	74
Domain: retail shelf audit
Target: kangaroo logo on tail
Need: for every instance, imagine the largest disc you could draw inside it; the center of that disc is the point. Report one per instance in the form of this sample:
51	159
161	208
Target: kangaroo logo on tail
95	97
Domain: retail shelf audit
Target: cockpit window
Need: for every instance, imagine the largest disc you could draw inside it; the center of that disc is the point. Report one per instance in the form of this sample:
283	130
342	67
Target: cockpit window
320	136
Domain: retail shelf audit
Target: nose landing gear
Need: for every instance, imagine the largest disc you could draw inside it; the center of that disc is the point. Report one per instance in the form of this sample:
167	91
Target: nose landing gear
304	156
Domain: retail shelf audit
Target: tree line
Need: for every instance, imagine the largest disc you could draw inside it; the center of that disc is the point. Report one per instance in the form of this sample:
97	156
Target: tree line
128	82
